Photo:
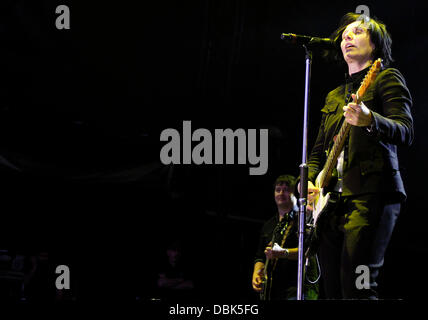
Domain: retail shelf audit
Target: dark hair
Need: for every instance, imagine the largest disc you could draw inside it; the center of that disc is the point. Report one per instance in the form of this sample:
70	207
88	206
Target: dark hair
288	180
379	36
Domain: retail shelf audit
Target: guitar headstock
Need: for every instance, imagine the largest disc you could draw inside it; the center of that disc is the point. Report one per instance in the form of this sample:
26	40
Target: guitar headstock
369	78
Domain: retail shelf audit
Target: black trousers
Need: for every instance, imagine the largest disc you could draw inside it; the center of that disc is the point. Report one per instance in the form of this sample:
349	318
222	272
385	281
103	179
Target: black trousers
355	231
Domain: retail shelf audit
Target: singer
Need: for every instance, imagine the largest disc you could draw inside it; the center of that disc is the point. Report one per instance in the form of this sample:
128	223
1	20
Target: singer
366	189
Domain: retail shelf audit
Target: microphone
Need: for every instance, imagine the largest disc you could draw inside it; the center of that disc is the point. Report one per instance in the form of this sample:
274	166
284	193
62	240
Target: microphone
323	43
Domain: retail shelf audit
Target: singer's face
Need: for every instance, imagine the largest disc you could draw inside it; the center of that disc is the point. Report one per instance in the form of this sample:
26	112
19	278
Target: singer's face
356	44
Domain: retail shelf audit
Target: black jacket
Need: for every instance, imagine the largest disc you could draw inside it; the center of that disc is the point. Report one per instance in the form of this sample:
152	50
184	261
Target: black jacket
371	162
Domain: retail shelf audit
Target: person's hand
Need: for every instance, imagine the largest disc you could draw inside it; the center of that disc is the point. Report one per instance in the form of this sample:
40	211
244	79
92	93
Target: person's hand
258	275
275	252
312	194
357	114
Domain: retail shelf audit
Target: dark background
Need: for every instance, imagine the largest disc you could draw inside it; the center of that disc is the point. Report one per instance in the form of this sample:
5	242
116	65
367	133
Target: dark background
82	111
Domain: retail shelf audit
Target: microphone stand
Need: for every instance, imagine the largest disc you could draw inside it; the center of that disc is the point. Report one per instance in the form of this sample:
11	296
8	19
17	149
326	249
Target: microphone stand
303	180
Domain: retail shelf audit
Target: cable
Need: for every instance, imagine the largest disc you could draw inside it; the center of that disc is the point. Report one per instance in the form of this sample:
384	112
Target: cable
319	272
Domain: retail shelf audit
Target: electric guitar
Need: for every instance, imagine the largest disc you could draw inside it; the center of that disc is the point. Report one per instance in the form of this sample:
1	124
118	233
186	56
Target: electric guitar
270	264
323	179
